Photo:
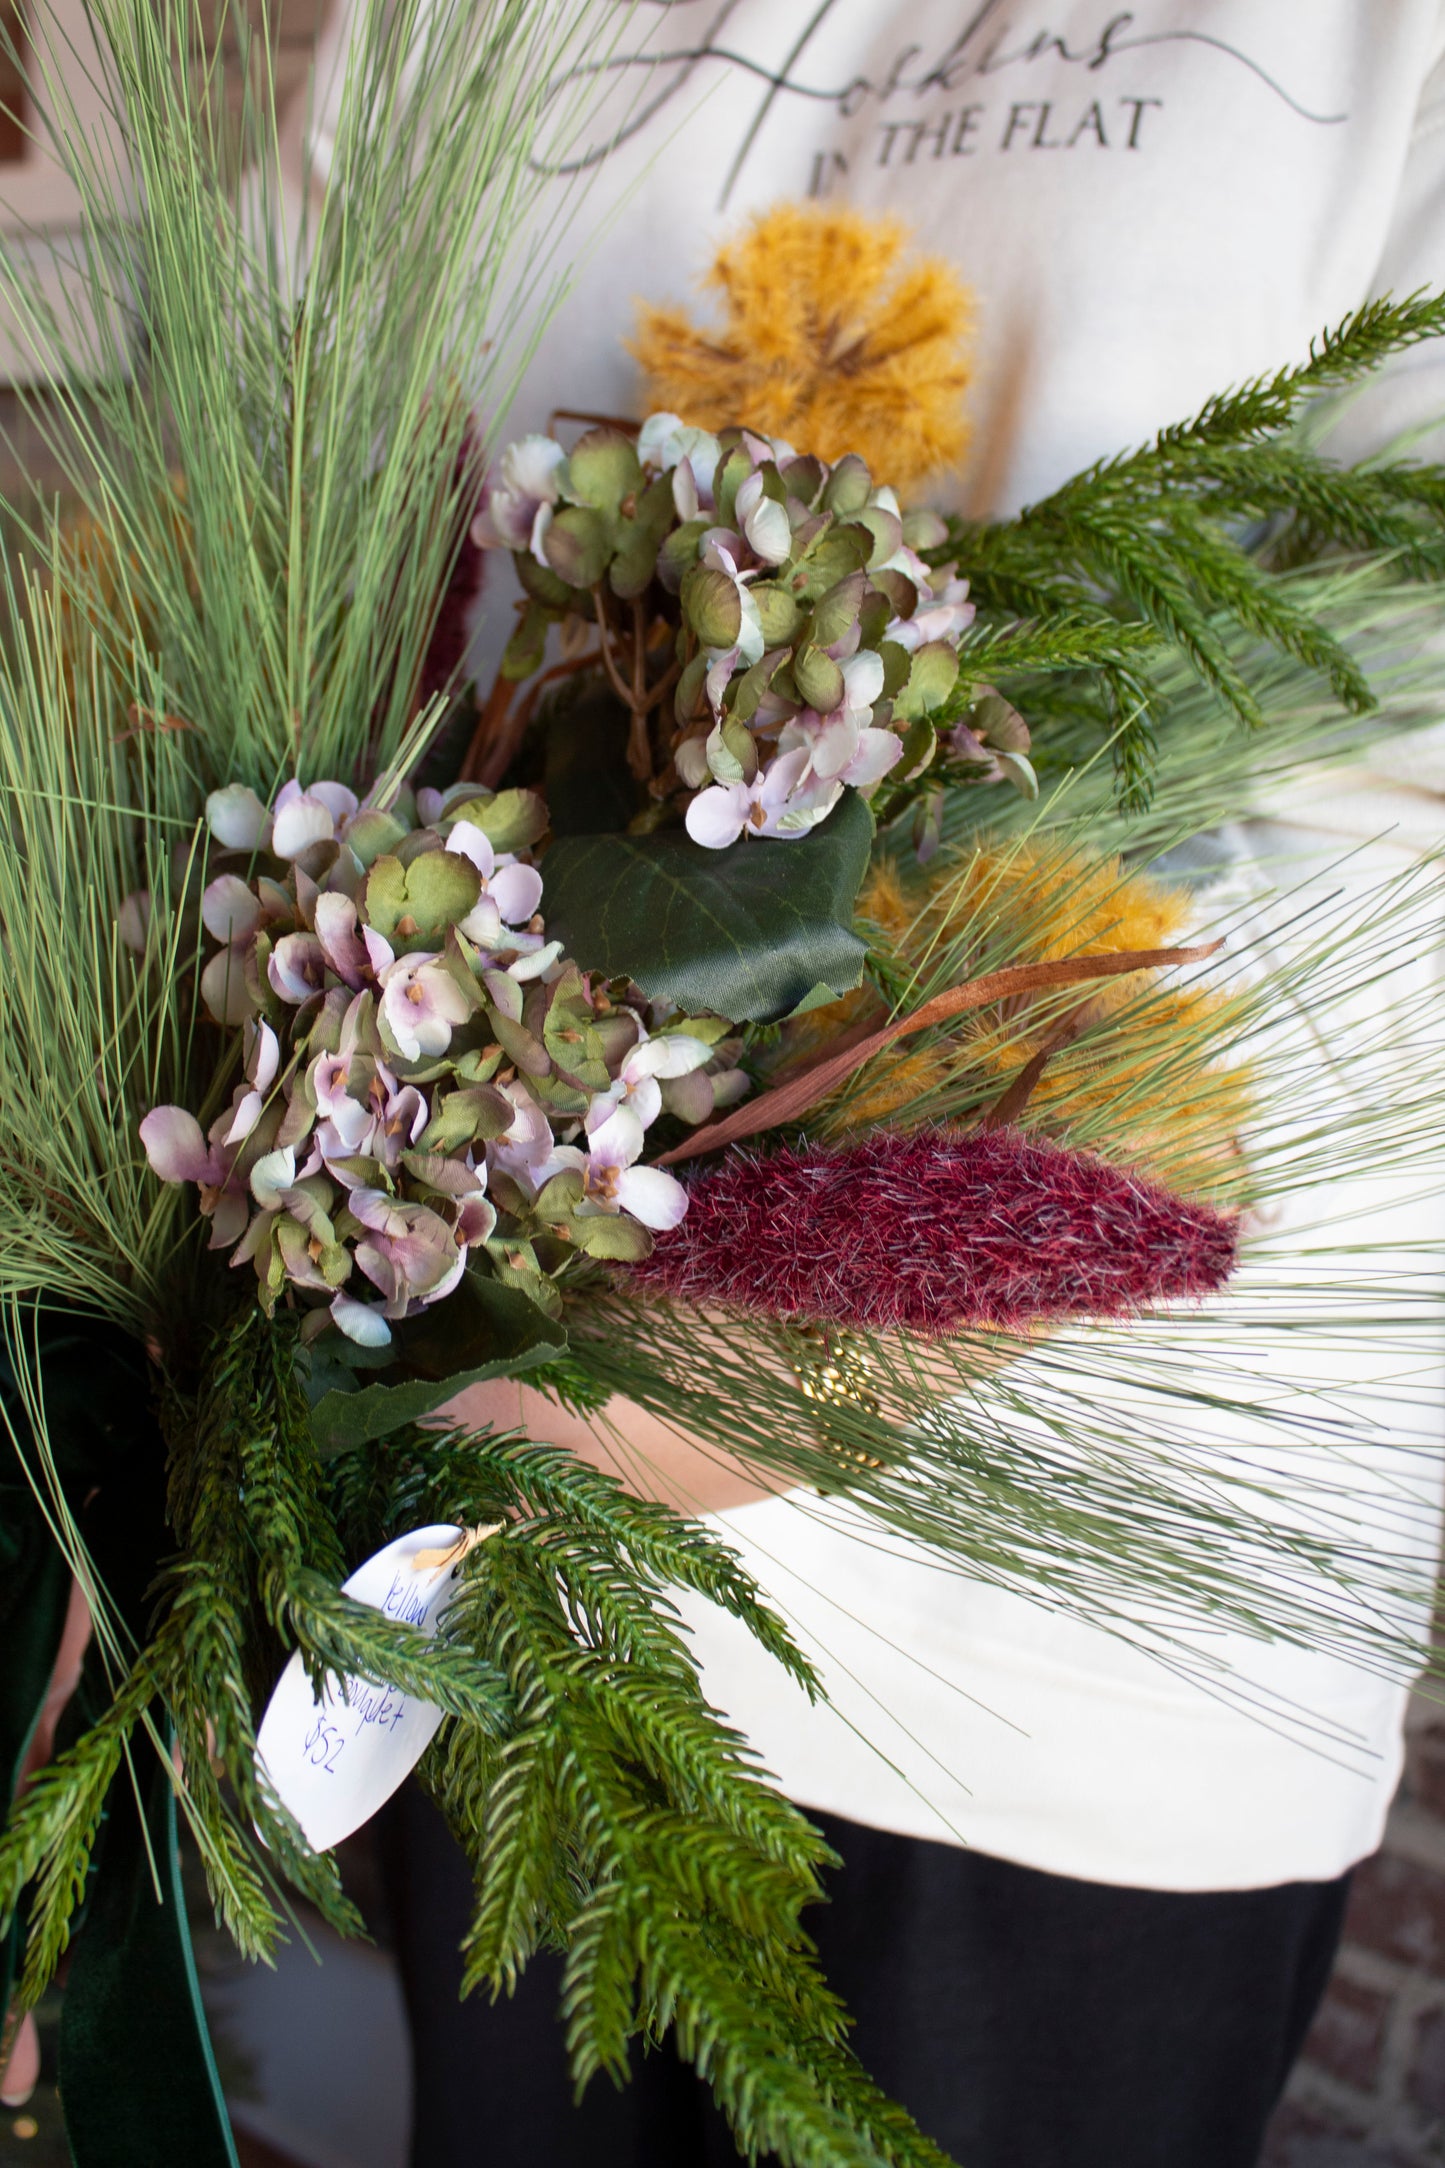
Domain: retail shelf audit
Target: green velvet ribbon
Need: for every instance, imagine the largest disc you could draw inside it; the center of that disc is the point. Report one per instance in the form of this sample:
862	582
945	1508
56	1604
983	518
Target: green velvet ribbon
138	2076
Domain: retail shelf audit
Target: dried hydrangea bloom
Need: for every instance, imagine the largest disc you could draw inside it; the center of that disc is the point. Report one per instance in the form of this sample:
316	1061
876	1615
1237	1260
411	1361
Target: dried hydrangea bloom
833	337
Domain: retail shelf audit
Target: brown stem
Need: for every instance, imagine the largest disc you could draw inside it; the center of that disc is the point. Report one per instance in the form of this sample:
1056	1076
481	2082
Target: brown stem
490	771
639	751
1007	1108
639	743
491	728
597	421
789	1102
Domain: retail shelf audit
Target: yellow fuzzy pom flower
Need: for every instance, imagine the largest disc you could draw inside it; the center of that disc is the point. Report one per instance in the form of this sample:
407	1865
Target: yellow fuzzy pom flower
833	337
1145	1084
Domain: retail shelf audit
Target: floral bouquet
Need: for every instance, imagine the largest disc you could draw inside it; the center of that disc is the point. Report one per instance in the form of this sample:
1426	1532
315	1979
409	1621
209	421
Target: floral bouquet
774	1003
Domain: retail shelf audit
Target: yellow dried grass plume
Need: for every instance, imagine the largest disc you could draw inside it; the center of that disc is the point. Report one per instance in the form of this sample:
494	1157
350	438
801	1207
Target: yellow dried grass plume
1178	1117
834	337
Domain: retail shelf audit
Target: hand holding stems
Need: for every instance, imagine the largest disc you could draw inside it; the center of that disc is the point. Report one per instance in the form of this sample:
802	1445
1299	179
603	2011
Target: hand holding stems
655	1458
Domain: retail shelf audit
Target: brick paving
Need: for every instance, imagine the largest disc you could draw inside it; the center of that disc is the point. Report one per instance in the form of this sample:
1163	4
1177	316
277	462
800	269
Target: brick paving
1369	2090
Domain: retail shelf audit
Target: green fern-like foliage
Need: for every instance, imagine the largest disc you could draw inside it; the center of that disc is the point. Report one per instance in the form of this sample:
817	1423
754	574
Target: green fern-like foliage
618	1819
1181	544
607	1810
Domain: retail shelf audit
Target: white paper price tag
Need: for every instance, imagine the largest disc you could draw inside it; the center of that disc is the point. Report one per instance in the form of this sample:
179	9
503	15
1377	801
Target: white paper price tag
336	1760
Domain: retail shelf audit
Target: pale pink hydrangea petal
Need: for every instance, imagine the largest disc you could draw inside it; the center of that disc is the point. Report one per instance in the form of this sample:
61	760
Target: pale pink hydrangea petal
421	1003
412	1255
670	1053
224	989
802	813
273	1173
133	920
379	950
653	1196
349	1120
340	802
944	614
674	1054
563	1159
527	484
244	1119
834	744
660	440
341	944
645	1099
175	1146
299	822
532	961
468	841
263	1054
685	499
877	752
715	817
765	522
516	891
360	1321
237	819
603	1105
862	679
297	967
228	1221
332	1148
527	1143
403	1119
482	925
618	1140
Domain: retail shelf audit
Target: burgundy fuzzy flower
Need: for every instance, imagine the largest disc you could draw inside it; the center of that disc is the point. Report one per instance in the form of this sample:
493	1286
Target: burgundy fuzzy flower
935	1232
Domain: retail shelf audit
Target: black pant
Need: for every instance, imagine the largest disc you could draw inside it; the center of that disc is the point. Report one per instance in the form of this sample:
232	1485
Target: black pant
1025	2020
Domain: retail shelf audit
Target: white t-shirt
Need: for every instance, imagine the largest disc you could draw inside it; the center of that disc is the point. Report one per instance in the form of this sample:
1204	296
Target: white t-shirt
1150	204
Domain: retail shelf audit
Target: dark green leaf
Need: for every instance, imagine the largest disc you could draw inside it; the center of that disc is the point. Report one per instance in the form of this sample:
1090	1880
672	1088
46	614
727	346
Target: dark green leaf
748	931
589	790
483	1330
